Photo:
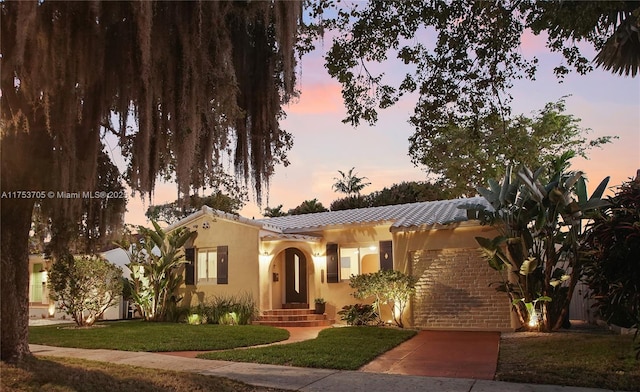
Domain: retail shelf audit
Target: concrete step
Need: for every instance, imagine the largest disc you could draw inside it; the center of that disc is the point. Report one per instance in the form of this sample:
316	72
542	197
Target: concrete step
304	323
293	318
287	312
302	317
296	305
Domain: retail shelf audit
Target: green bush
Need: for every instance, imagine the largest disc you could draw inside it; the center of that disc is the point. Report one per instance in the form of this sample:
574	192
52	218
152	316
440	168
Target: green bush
390	287
175	313
195	319
228	310
85	286
359	314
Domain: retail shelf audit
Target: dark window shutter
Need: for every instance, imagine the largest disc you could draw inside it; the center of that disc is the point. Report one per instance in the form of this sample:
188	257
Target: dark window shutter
386	255
190	266
223	265
332	264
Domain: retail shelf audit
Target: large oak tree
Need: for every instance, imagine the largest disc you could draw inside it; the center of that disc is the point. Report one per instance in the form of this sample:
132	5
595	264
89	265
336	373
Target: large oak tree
462	57
189	88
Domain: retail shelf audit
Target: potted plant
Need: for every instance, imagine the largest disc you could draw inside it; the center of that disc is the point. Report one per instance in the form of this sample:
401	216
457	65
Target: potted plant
320	305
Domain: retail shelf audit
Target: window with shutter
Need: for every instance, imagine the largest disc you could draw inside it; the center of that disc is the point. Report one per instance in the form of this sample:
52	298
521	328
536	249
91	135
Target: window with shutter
223	265
333	275
190	267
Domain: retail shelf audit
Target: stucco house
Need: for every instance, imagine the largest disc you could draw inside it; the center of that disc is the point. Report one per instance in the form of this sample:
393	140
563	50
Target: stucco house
287	262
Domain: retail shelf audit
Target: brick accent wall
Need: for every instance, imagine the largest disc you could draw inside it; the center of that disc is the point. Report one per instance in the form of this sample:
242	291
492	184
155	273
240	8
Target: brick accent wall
453	291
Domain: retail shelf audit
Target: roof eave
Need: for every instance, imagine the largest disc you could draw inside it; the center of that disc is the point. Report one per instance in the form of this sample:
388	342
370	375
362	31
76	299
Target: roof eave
291	237
315	229
435	226
206	210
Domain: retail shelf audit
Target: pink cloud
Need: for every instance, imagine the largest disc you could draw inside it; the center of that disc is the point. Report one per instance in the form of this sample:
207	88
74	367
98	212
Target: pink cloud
533	44
137	206
318	98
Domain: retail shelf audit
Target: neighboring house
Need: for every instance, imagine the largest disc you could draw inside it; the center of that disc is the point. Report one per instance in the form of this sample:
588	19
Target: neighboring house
287	262
41	306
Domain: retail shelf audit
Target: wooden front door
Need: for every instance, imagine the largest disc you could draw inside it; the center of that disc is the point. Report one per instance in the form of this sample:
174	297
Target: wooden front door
295	276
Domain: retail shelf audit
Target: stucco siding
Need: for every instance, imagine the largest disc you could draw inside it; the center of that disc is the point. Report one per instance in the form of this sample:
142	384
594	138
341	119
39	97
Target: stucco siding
243	272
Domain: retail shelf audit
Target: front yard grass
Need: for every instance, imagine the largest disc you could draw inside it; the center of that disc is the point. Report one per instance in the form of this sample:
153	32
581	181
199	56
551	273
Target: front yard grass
138	335
583	359
592	358
346	348
67	374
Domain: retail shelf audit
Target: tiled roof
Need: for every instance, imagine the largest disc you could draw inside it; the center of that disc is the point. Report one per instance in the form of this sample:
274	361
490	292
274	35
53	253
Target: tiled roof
400	216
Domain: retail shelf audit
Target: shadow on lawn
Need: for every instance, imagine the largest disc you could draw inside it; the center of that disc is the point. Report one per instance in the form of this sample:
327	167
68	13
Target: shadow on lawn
35	374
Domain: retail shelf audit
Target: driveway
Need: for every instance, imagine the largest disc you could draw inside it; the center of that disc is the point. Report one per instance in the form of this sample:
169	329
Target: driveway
442	354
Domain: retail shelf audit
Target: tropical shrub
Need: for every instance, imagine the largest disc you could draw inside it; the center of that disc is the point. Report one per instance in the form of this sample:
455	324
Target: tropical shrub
537	251
390	287
195	319
154	257
85	286
359	314
228	310
176	313
612	253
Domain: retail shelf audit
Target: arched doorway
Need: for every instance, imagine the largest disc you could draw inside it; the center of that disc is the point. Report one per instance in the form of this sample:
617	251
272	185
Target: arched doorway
296	282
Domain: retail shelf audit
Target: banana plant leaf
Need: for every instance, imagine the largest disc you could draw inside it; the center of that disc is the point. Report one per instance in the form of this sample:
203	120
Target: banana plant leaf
528	266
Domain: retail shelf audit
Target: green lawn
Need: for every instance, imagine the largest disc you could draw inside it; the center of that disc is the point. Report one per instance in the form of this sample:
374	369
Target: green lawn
589	358
70	375
584	359
334	348
146	336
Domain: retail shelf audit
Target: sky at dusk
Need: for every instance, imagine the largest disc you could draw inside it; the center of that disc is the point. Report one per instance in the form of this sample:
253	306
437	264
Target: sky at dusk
607	104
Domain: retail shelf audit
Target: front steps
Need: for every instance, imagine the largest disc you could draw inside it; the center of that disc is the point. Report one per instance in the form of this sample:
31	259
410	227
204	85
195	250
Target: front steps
293	318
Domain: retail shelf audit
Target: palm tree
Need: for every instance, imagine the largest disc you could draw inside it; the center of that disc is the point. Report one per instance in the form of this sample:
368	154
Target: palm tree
308	207
274	212
349	183
621	52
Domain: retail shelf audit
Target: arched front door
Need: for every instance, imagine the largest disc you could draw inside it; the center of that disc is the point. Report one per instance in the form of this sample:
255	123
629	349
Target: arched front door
295	276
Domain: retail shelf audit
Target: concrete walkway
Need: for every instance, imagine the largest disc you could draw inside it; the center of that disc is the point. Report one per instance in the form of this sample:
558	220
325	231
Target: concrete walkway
299	379
296	334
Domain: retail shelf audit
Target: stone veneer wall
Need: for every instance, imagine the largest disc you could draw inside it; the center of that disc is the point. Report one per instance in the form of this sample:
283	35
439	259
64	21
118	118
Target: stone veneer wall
453	291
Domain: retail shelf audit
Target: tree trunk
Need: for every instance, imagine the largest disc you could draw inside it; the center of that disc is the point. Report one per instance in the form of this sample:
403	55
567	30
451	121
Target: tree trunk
15	221
21	164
